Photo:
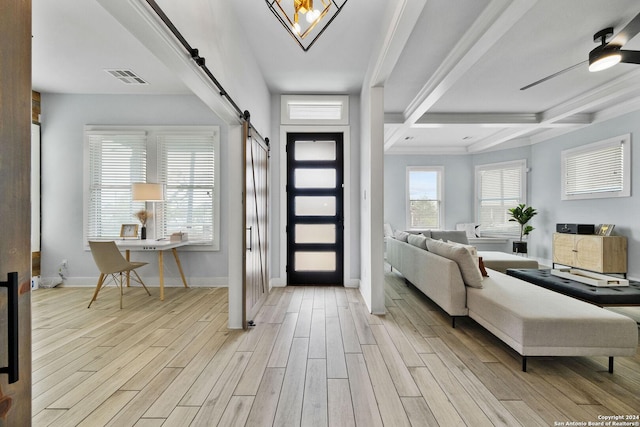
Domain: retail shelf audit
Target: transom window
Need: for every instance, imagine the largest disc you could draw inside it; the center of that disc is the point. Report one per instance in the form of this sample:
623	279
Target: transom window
424	197
598	170
499	187
182	158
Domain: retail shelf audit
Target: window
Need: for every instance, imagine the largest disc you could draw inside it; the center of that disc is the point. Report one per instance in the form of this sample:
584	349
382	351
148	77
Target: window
499	187
597	170
115	161
424	197
186	167
182	158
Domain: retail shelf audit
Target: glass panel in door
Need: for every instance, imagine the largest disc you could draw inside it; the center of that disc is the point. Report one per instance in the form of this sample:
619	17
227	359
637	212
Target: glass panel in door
315	228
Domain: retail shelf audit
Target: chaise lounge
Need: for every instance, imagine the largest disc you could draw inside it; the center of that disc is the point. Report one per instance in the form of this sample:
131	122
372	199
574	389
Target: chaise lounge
534	321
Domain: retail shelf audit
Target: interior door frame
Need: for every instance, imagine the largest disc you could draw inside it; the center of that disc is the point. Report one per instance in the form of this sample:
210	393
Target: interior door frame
346	147
318	277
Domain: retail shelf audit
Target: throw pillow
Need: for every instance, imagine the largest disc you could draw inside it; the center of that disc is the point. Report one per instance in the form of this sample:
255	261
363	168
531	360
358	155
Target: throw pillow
468	267
417	240
452	235
472	250
483	270
388	231
402	235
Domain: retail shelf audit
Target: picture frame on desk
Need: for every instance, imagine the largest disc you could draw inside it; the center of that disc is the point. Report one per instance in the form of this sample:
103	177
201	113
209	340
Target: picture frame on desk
604	229
129	231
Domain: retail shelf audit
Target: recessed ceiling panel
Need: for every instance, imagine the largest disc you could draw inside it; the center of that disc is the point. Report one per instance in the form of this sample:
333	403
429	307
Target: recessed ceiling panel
437	31
552	36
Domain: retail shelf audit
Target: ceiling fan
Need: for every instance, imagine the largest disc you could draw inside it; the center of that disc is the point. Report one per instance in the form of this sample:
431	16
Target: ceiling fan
607	54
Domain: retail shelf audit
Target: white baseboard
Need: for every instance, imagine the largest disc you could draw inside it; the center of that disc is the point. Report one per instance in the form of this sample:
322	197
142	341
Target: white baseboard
277	282
352	283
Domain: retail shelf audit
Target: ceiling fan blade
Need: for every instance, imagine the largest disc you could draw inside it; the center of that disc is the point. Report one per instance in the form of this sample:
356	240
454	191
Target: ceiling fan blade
630	56
553	75
627	33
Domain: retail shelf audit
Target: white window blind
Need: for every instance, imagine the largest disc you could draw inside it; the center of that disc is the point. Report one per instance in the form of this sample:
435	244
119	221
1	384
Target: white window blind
424	195
500	187
596	170
115	162
186	167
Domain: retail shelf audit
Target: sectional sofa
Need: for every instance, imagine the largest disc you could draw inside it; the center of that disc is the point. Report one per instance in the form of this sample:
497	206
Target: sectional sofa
533	321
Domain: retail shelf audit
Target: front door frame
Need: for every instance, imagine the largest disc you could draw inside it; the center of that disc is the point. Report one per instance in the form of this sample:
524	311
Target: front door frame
345	130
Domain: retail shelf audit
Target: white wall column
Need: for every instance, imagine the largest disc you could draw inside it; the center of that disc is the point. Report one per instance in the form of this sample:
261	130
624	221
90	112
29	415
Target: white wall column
372	199
235	213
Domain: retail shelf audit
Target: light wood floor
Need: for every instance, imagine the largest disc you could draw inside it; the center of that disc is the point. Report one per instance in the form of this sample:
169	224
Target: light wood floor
314	358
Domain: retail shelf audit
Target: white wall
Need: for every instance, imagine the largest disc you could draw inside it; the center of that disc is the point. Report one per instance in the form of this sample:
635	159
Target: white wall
277	192
63	118
372	199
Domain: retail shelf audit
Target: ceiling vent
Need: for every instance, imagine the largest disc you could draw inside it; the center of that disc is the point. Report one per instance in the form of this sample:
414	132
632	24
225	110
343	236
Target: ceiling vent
127	77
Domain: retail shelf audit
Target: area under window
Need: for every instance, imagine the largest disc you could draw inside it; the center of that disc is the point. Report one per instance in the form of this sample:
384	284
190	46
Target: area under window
425	197
598	170
182	158
499	187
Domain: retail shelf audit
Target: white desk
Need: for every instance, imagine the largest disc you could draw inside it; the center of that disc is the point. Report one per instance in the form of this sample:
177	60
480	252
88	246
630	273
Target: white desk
158	246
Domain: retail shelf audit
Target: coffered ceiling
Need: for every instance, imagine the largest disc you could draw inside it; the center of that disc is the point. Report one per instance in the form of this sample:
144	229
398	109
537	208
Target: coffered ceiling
452	85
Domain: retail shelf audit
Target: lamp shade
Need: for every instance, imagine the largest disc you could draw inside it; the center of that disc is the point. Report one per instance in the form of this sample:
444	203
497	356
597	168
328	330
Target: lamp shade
147	192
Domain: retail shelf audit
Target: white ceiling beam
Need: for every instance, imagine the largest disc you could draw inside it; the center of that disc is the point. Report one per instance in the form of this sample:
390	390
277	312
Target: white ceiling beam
431	120
443	150
139	19
496	19
620	88
400	19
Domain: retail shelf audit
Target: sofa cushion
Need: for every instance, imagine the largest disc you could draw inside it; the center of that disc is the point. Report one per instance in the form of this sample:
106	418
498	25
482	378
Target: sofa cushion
417	240
468	267
401	235
458	236
500	261
388	231
537	321
473	251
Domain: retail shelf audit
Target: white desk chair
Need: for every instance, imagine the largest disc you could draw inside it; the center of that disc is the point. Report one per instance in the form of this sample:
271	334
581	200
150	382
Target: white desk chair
110	262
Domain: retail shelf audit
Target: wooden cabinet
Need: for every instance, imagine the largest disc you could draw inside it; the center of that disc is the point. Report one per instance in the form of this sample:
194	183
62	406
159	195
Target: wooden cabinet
602	254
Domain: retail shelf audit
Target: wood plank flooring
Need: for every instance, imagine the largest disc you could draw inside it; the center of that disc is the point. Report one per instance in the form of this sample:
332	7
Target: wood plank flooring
316	357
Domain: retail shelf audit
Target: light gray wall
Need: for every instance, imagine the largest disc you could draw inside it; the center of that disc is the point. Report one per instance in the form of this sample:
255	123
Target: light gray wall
458	188
543	160
545	189
63	118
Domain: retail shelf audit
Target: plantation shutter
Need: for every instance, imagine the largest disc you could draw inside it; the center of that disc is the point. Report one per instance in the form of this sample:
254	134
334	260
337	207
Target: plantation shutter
115	162
500	189
187	169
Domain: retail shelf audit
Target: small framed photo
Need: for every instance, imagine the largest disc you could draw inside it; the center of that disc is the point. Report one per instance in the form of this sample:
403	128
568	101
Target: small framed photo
605	229
129	231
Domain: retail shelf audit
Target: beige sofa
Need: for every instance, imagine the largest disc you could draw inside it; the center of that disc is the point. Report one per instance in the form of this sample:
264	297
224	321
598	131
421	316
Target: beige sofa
532	320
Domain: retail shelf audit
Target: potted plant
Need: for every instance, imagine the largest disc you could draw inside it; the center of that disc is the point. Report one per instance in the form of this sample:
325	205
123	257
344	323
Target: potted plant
522	214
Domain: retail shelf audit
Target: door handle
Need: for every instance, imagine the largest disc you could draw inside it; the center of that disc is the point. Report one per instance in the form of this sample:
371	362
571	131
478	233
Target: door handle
12	327
250	238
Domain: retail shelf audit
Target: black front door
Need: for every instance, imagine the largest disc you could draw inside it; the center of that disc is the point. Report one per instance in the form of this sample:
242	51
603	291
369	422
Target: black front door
315	227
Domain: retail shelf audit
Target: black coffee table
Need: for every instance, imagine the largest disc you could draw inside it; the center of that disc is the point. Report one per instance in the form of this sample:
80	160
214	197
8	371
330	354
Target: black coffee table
602	296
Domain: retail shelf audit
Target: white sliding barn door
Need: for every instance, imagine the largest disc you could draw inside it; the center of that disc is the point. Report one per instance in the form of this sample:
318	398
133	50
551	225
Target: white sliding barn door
256	277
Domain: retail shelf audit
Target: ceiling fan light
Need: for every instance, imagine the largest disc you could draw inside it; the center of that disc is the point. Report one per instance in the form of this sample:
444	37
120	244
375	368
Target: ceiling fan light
601	59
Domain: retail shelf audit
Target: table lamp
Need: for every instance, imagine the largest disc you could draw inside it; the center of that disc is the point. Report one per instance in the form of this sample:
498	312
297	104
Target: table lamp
148	192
